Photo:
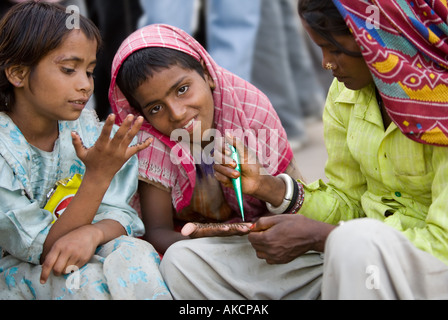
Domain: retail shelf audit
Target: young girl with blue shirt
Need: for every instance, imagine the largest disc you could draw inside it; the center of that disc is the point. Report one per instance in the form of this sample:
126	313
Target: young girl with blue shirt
86	249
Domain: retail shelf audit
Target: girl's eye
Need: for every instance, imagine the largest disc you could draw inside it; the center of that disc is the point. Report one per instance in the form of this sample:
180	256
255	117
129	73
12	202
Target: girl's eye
90	74
183	90
67	70
155	109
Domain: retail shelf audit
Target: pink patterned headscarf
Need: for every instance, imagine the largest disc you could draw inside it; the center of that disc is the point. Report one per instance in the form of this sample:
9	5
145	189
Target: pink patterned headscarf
239	107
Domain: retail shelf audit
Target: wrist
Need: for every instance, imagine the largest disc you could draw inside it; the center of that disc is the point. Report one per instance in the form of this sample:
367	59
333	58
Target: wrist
97	234
293	198
322	235
97	179
271	189
91	232
94	187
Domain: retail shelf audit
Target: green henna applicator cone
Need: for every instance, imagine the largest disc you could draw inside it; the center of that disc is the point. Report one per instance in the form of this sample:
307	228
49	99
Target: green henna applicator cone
237	182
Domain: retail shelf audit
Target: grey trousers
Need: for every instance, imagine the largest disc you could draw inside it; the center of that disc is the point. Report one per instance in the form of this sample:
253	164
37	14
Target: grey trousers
283	68
364	259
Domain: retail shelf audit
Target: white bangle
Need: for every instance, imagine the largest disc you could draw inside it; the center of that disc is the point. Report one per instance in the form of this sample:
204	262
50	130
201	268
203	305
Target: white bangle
287	198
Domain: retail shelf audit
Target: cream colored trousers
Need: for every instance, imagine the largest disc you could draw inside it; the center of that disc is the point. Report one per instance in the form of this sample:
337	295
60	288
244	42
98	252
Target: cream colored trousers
364	259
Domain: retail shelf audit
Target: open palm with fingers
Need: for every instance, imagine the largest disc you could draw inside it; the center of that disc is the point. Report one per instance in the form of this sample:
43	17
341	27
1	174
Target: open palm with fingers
108	154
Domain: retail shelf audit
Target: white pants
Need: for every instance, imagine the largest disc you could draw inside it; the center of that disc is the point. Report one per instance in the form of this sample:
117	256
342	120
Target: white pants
364	259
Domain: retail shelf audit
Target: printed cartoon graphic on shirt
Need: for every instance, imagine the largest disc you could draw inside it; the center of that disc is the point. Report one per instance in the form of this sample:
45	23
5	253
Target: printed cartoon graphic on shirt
61	195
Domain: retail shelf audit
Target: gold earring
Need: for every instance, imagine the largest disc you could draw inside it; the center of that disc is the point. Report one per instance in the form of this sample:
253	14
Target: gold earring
329	66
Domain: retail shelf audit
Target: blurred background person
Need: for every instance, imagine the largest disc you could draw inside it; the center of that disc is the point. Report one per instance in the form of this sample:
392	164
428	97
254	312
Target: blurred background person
230	27
284	69
6	4
116	19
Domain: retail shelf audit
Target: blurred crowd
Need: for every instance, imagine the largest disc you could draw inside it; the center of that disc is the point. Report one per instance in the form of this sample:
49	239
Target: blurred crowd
262	41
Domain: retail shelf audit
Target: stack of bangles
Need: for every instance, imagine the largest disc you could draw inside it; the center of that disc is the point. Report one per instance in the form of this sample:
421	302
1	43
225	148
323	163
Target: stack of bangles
294	197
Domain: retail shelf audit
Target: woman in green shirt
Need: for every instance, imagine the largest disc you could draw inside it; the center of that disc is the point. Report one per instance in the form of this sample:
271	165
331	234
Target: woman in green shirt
397	185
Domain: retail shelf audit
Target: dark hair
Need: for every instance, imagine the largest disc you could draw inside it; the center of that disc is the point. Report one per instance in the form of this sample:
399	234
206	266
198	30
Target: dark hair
142	64
28	32
325	19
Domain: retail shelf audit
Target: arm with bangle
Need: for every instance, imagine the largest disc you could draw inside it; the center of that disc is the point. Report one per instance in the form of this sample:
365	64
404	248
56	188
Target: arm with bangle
292	199
286	235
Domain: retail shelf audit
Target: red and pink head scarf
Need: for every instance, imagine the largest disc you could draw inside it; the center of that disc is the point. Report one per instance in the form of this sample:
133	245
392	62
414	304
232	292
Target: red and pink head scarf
405	45
239	107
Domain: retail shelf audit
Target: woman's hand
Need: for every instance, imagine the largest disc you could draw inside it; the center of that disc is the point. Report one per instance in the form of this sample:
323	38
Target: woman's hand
282	238
74	249
108	155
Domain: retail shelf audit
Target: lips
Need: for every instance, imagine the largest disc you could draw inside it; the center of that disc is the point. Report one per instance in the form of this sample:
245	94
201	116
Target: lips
80	102
189	124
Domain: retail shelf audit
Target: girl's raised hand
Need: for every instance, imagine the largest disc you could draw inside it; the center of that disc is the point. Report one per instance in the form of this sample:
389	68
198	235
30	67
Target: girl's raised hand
108	154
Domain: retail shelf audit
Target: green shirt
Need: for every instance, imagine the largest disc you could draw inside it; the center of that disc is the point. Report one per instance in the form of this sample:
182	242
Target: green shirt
380	174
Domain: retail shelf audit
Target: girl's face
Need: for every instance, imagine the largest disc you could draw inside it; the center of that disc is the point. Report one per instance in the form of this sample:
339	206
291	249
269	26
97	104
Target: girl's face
352	71
178	98
61	84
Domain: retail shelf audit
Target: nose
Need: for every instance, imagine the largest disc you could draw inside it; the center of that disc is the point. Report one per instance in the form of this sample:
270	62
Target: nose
327	62
177	111
329	66
85	84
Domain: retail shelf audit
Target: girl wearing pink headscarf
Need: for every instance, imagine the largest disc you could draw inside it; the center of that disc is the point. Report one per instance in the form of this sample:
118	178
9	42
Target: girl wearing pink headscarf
165	75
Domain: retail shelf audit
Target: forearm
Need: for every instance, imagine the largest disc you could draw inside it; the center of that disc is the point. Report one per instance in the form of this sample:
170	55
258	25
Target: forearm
271	189
319	233
109	230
